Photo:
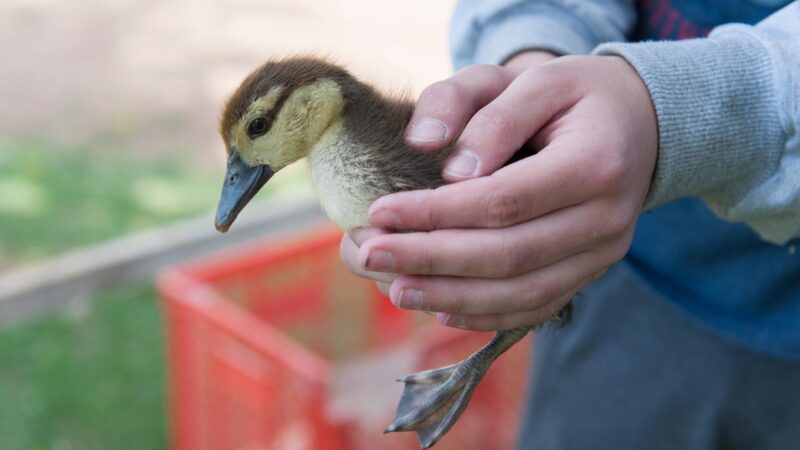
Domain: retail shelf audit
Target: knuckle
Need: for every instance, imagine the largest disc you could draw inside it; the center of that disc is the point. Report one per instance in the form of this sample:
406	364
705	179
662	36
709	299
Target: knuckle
609	174
432	214
502	208
427	263
490	75
528	299
497	121
479	70
617	221
457	303
446	91
513	259
551	76
536	295
618	250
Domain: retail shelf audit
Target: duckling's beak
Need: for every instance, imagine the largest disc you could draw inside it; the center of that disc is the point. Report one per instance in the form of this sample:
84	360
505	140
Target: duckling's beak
241	184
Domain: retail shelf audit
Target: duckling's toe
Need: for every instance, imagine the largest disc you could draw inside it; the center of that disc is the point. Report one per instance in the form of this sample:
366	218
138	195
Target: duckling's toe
433	400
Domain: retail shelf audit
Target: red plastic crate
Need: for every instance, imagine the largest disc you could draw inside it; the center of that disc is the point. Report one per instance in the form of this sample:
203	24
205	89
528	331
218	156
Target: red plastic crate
277	346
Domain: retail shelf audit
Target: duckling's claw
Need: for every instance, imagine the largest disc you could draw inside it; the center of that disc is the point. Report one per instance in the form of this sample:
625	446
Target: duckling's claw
433	400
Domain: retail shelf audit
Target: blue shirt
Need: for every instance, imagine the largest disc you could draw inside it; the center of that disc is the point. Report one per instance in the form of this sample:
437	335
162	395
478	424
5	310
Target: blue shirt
729	132
719	272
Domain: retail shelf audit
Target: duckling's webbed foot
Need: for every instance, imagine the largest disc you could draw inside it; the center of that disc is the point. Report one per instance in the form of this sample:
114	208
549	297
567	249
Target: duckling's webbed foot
433	400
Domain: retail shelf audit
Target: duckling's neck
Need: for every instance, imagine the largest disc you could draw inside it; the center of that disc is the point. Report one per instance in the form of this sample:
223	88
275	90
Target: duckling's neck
339	176
363	155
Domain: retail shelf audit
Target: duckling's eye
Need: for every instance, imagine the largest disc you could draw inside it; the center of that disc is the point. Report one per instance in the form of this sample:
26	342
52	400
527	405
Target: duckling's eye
257	127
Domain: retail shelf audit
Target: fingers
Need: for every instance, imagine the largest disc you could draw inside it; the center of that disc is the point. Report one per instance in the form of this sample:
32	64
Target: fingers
348	251
445	107
552	179
478	296
499	129
528	59
490	253
359	235
505	321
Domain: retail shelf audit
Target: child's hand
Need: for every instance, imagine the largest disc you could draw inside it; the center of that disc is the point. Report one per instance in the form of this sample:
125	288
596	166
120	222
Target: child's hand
509	247
454	100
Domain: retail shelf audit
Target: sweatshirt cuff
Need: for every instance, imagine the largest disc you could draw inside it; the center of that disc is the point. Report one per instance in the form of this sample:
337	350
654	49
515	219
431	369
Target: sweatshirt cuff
715	102
533	26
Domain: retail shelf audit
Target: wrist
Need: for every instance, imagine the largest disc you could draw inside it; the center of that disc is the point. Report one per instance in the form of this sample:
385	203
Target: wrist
712	113
644	126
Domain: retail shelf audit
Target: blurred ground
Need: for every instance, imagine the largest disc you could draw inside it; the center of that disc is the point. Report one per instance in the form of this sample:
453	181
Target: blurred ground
149	76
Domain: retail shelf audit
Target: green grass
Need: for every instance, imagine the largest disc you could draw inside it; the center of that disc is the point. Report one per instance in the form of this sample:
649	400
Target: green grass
89	383
57	199
94	381
53	199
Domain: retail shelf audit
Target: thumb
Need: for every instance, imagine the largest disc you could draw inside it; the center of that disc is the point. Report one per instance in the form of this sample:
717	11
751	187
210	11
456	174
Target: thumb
504	125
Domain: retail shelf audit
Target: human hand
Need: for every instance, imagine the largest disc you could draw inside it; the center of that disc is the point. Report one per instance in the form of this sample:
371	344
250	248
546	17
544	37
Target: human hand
509	248
348	251
528	60
451	103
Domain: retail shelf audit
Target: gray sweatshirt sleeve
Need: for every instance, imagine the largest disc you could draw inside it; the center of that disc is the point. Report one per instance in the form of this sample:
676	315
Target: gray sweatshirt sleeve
728	112
493	31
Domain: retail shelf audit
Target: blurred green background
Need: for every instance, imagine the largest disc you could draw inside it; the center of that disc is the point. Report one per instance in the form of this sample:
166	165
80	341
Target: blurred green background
108	127
54	199
91	379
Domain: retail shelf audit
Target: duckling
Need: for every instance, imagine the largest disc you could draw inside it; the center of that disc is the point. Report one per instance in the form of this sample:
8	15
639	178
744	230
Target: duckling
352	135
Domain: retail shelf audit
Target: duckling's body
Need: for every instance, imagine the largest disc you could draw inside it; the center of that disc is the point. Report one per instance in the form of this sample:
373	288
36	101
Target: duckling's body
362	156
353	138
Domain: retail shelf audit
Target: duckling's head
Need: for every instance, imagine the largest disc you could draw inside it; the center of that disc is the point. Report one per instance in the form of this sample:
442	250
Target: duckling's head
275	118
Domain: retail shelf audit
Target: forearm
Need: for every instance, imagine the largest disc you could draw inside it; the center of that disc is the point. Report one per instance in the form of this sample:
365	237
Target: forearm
728	111
494	31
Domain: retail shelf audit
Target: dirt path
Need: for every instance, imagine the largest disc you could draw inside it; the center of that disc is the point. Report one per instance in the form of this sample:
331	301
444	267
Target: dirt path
149	76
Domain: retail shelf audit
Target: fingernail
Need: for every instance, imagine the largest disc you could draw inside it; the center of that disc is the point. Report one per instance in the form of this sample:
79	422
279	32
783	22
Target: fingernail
463	165
384	218
427	130
379	260
452	320
457	320
410	299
